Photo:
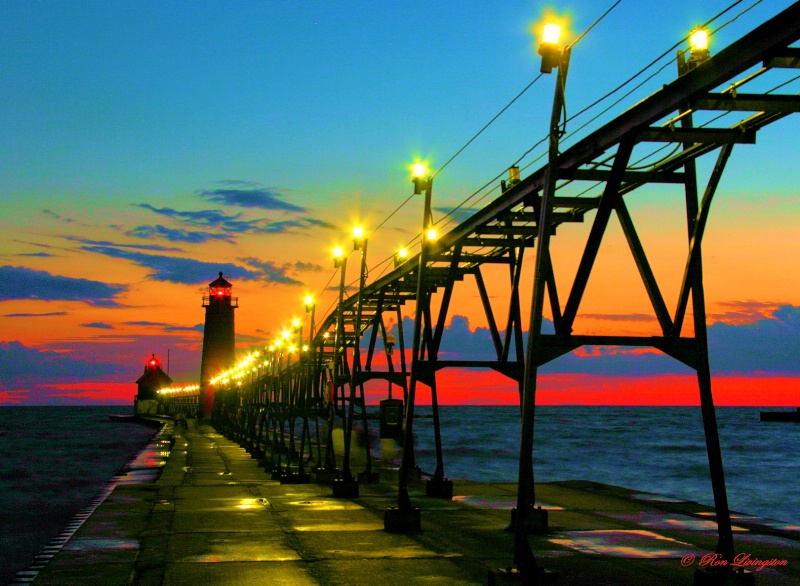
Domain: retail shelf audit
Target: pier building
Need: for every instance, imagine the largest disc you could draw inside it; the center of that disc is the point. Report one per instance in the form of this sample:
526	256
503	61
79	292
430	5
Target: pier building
154	378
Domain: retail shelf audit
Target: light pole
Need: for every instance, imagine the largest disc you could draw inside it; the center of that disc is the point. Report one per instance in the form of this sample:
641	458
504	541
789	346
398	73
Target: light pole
696	215
527	517
405	518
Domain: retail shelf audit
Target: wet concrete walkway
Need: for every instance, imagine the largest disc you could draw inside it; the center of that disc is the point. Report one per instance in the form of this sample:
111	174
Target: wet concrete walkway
213	517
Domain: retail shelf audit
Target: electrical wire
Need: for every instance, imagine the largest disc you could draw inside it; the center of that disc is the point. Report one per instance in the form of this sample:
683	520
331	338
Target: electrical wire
595	23
496	116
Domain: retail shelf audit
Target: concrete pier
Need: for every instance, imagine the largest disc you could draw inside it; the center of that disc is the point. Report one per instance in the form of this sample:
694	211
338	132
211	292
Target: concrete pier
213	517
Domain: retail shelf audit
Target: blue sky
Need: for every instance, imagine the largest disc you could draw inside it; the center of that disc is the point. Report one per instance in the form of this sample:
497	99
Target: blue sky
146	146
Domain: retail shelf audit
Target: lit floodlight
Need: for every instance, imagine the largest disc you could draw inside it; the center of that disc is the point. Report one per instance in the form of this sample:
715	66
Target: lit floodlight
400	257
552	33
419	172
431	234
548	49
358	237
698	40
338	257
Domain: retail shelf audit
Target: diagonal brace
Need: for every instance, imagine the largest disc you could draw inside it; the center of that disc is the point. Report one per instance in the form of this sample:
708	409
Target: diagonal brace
607	203
692	262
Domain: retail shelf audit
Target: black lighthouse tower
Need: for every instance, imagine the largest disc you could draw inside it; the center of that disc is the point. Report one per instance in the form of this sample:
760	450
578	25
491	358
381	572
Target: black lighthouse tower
218	338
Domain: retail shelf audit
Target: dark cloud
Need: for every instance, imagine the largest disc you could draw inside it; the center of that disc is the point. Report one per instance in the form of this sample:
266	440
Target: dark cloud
149	247
319	223
234	224
21	366
765	345
37	254
273	272
22	283
37	375
98	325
245	195
744	312
307	266
176	235
203	218
165	326
186	271
48	314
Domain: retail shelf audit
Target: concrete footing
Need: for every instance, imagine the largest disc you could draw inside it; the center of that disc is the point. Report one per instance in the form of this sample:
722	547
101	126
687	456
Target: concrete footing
514	576
440	488
536	521
327	475
397	520
368	477
345	489
724	576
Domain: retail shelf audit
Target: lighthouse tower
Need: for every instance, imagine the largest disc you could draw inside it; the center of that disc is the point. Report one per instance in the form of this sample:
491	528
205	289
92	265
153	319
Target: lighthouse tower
218	338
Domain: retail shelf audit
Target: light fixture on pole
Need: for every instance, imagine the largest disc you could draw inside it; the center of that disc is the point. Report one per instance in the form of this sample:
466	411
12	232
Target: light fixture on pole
338	257
698	44
525	517
400	257
697	53
549	49
358	237
418	179
310	306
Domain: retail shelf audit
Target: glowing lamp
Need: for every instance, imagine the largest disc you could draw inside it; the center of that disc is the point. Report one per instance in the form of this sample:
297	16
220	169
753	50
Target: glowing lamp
419	171
296	323
286	334
551	34
698	40
400	257
548	49
431	234
358	237
698	47
338	257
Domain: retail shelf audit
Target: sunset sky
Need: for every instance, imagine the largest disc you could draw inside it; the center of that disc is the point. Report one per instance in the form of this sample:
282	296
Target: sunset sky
145	146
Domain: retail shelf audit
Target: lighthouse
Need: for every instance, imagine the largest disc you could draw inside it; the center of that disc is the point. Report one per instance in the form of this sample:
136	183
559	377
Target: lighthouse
153	379
218	338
